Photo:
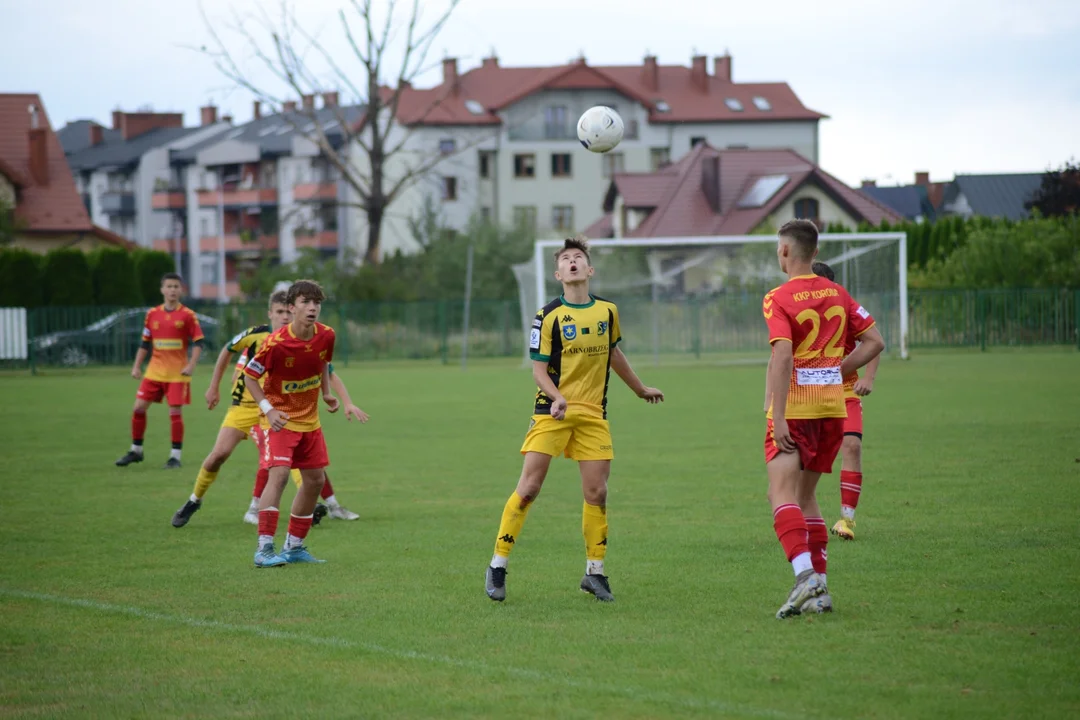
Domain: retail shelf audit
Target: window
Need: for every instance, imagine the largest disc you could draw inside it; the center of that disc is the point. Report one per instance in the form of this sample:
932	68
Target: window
204	227
662	106
806	209
474	107
485	164
447	146
560	165
733	104
485	213
695	140
762	191
762	104
613	163
525	216
555	123
449	188
525	165
562	217
209	266
659	157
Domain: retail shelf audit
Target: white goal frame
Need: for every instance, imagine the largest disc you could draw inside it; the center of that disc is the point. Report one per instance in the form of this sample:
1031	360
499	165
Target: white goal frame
541	247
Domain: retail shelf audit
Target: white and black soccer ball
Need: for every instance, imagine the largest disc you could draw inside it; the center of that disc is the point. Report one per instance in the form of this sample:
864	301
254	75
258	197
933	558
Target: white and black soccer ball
600	129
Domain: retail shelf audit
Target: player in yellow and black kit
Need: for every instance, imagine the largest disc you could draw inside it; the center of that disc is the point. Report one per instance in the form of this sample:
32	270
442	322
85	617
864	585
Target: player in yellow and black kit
573	343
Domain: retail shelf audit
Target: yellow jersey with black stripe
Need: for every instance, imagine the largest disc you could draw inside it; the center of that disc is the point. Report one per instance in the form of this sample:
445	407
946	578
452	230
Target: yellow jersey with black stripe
246	344
576	342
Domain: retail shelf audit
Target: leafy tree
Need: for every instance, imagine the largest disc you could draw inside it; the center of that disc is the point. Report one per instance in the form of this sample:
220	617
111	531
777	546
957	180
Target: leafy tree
150	265
67	278
115	282
1059	193
20	278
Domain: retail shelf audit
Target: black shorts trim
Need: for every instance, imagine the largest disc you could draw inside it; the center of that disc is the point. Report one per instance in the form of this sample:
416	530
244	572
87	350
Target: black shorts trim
854	434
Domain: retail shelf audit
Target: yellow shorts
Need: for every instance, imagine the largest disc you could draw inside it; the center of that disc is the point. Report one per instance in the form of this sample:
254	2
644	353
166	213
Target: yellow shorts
242	418
577	436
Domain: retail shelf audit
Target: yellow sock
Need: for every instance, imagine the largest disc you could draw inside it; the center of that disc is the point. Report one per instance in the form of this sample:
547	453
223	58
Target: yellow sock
203	482
513	519
594	528
295	475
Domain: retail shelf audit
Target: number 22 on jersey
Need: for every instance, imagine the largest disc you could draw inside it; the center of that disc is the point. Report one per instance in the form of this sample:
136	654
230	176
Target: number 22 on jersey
835	347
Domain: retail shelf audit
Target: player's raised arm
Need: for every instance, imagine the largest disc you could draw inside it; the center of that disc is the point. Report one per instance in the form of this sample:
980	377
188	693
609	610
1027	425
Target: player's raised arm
621	365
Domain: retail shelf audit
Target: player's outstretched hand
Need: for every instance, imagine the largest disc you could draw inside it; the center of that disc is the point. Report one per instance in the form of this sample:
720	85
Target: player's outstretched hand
782	436
277	419
558	409
351	411
332	403
136	372
863	387
651	395
212	398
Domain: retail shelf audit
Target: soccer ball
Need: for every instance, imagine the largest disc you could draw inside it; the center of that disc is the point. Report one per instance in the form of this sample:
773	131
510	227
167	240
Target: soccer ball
600	129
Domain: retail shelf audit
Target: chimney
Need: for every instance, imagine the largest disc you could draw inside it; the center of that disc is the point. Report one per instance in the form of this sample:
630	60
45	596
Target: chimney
722	67
330	99
226	119
922	178
208	114
97	134
710	180
650	73
135	124
699	73
449	72
288	106
490	62
256	110
39	155
309	101
117	119
869	183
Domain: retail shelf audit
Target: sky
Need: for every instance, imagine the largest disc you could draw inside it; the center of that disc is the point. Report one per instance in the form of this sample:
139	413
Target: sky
945	86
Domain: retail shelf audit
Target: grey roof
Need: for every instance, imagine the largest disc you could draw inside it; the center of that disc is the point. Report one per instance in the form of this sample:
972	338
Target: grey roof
996	195
75	136
910	201
125	152
274	133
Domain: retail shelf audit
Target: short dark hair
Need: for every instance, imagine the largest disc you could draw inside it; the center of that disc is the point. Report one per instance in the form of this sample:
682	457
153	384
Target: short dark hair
307	289
824	271
579	242
278	298
172	276
804	235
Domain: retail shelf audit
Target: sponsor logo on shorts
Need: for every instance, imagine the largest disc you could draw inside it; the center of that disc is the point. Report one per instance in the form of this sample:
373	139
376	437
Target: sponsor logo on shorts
282	459
605	447
298	386
168	344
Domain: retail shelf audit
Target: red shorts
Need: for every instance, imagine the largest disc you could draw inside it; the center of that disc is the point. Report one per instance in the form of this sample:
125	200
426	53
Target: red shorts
174	393
818	441
292	449
853	424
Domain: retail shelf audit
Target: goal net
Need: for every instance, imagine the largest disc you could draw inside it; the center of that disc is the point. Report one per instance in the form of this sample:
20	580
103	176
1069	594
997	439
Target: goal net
693	298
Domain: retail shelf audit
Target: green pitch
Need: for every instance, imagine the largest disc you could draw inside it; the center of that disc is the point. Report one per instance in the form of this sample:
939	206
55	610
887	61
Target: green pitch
960	597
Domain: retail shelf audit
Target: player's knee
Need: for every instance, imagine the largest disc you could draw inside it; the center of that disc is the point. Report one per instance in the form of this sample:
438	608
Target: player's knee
596	495
216	459
852	448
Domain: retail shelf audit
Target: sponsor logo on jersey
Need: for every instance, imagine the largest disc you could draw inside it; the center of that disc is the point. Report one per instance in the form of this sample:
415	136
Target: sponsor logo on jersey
569	331
601	328
256	367
534	339
168	344
861	312
298	386
290	361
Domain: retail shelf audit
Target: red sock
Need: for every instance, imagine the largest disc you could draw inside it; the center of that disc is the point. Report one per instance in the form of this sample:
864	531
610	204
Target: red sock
299	526
850	488
261	478
176	421
138	427
790	526
818	540
327	489
268	521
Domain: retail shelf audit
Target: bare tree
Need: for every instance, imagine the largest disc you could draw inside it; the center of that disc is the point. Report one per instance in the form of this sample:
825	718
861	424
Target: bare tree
300	64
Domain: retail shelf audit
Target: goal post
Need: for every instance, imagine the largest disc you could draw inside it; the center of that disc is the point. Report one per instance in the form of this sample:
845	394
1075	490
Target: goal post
695	297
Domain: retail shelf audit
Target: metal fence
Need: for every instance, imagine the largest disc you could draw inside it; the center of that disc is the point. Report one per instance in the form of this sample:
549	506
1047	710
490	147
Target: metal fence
690	329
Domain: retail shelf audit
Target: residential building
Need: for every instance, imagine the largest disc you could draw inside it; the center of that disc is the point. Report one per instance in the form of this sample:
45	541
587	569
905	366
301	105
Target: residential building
918	202
996	196
116	173
261	190
36	184
501	142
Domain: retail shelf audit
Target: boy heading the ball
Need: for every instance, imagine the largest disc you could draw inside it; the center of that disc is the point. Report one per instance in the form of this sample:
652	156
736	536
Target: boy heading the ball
293	364
573	343
808	318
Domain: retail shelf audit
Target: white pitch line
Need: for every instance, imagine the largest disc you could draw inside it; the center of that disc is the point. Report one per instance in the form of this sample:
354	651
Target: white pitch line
271	634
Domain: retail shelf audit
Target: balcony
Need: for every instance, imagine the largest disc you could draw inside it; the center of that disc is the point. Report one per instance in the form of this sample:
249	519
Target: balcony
169	244
118	202
209	291
236	243
237	198
324	240
171	199
315	192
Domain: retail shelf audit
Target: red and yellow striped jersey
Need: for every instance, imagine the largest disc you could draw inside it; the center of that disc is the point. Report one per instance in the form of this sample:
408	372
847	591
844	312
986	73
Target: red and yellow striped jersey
170	333
816	316
291	369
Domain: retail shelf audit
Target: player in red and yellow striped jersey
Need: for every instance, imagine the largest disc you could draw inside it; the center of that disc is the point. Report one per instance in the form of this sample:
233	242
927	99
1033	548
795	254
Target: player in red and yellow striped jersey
855	389
808	319
169	331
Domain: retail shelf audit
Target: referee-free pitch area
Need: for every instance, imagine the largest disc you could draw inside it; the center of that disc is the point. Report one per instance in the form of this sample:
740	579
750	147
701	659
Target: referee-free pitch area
960	596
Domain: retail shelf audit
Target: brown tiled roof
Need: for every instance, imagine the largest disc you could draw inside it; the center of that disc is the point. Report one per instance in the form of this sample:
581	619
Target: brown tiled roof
681	207
495	88
602	228
56	206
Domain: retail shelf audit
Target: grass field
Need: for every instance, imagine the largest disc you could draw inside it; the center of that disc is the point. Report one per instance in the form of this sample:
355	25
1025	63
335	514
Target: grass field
960	597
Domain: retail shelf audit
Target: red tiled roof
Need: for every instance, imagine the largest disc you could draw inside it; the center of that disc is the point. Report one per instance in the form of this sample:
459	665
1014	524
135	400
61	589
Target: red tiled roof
495	88
112	238
683	209
602	228
52	207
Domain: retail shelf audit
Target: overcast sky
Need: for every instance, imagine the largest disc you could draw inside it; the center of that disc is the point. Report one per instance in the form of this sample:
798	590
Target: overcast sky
948	86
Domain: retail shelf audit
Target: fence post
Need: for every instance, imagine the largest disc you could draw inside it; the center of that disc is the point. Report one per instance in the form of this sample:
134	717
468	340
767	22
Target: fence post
31	333
1076	317
444	332
695	326
980	300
